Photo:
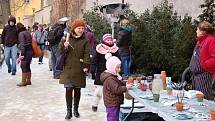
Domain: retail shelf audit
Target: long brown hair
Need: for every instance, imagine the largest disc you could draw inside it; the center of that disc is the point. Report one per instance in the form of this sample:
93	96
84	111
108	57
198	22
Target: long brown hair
206	27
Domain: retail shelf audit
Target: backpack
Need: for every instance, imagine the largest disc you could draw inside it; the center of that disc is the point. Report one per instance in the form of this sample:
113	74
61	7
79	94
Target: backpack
52	35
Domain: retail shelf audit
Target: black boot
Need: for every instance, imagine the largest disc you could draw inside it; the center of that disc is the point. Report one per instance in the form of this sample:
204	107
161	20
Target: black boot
76	113
69	113
77	96
69	103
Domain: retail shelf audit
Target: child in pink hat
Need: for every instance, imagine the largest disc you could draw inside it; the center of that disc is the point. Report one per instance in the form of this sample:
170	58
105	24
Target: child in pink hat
113	87
107	46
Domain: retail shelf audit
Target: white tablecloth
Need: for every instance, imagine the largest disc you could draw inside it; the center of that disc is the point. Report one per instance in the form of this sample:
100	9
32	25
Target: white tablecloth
167	111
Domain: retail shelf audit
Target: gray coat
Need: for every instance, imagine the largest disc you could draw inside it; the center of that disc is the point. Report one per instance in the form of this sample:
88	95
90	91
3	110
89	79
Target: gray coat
41	37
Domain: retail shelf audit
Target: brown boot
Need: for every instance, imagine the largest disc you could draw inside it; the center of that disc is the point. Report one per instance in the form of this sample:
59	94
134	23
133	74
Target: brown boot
23	82
28	78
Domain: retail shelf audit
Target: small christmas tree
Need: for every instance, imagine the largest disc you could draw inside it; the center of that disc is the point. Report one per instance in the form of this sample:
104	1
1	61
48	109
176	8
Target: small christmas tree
96	20
208	13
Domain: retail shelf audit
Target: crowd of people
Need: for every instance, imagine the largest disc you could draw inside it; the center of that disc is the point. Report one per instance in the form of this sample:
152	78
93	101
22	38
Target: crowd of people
83	54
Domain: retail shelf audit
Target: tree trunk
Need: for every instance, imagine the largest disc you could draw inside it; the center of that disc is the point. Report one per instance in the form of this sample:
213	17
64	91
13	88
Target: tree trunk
4	11
72	8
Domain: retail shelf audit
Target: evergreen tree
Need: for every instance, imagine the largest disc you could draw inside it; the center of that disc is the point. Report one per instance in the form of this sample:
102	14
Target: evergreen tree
162	40
208	12
98	23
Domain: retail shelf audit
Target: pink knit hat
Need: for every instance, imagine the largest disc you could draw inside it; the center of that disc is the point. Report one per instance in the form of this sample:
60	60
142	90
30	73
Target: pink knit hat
106	37
111	63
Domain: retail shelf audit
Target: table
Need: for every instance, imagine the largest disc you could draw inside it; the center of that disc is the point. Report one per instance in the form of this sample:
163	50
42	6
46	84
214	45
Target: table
167	111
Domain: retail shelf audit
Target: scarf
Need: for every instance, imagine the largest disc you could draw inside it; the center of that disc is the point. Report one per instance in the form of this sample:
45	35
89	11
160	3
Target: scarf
104	49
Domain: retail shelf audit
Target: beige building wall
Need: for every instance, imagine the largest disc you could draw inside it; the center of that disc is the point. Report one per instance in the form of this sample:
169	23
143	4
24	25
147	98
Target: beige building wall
24	12
43	16
183	7
27	20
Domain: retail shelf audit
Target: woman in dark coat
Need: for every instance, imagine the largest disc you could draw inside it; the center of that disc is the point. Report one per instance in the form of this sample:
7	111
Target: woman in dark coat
77	63
203	60
25	55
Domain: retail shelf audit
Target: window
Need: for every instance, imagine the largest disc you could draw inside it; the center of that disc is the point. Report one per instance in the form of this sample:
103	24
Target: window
26	1
48	2
45	3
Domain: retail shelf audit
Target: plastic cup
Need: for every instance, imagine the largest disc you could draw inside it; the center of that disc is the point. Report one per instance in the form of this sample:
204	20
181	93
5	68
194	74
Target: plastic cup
212	112
156	97
179	106
130	81
200	97
143	87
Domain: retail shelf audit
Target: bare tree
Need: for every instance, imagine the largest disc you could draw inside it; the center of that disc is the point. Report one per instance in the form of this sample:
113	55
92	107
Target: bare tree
16	5
72	8
4	11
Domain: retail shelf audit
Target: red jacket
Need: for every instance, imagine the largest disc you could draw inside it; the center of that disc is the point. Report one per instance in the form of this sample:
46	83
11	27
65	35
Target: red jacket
207	53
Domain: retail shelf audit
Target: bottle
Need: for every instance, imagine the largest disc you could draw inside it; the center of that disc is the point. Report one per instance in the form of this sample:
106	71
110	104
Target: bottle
163	76
157	84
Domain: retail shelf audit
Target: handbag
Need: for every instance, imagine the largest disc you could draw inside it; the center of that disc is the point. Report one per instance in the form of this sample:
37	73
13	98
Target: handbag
61	57
60	62
36	49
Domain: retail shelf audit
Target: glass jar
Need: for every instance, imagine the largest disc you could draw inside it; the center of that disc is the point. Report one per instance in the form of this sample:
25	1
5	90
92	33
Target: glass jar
157	84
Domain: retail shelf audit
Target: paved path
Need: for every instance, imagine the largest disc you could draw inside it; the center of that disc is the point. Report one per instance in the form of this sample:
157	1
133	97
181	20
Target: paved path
42	101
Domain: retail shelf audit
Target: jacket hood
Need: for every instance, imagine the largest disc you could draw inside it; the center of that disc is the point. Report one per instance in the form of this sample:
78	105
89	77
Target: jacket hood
104	49
13	19
105	75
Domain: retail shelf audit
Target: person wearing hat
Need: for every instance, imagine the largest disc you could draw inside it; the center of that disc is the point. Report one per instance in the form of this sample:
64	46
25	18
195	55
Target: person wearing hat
54	37
9	39
107	46
124	41
92	43
26	54
113	88
41	36
76	65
